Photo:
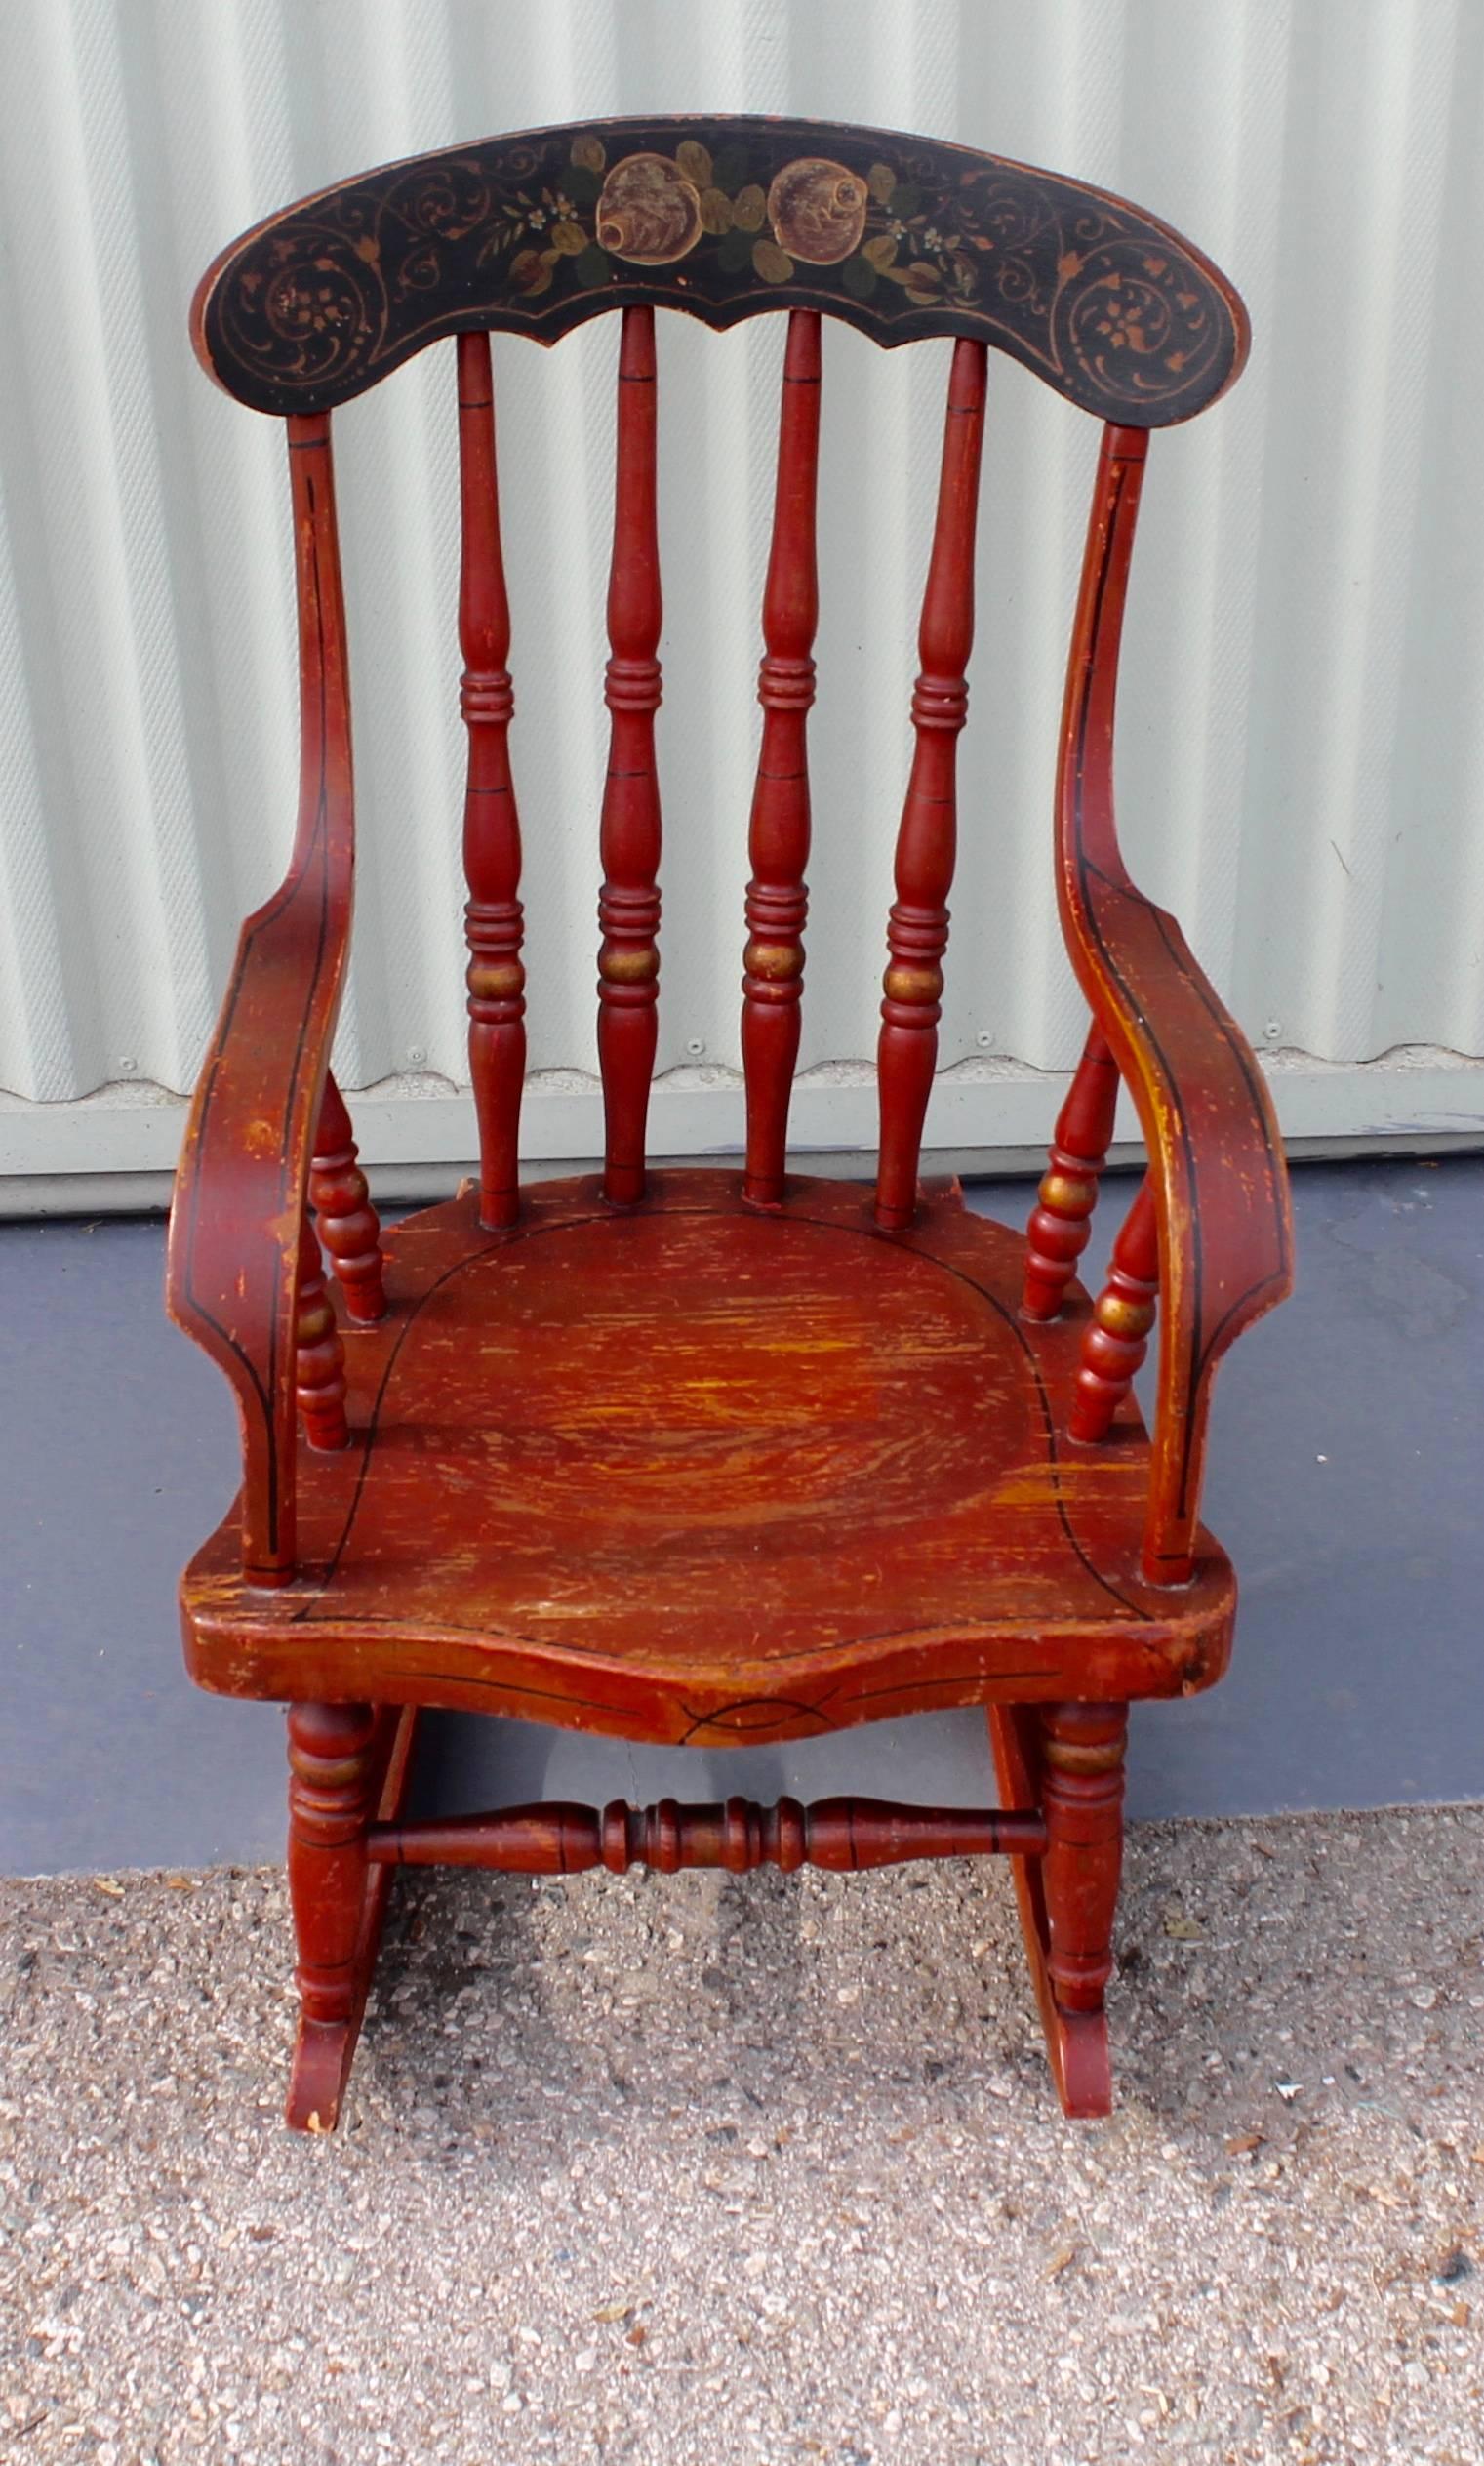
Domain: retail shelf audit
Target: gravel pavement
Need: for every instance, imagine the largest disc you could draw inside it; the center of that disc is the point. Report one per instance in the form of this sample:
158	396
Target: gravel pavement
761	2170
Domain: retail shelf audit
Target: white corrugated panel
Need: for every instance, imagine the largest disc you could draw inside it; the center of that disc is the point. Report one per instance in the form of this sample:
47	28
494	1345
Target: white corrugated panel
1301	754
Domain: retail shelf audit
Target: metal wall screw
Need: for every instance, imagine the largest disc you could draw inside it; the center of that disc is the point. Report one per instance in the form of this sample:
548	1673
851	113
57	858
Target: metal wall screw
985	1037
1273	1029
695	1046
128	1061
416	1053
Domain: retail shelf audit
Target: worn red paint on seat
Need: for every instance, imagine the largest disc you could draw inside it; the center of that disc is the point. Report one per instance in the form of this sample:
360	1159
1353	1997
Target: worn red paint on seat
748	1477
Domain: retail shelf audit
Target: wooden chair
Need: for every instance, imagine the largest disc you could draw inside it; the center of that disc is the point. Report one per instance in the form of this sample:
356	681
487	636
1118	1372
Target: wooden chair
717	1456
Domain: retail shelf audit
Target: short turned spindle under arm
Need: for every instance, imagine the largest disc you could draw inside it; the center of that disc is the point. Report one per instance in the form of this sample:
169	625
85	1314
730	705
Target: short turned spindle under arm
1062	1221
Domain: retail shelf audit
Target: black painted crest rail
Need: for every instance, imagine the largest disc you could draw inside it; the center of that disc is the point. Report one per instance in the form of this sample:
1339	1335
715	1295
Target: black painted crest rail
900	236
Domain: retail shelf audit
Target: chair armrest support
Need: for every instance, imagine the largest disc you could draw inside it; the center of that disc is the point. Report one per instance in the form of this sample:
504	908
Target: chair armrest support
1217	1167
240	1189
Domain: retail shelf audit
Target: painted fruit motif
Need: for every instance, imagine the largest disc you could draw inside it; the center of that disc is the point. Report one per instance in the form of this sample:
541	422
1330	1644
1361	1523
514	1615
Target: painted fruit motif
648	212
818	210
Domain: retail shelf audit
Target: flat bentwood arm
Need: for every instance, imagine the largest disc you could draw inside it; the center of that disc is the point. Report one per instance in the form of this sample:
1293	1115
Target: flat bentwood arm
777	902
1218	1183
235	1257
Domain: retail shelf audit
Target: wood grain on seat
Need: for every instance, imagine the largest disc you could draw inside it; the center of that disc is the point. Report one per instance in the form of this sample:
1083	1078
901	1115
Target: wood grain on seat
727	1474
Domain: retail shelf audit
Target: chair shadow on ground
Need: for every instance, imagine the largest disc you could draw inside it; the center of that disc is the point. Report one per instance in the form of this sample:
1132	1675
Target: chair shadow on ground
1248	1962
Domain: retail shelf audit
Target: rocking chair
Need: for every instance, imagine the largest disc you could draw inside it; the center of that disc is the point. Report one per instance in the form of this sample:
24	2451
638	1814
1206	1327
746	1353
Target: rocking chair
709	1456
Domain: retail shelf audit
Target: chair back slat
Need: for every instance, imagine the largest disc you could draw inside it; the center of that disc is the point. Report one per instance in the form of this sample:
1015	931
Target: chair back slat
628	903
917	928
493	919
778	900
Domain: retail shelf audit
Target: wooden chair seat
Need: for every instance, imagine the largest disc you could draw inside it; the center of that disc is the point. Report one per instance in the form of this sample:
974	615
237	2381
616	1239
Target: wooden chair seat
711	1456
730	1474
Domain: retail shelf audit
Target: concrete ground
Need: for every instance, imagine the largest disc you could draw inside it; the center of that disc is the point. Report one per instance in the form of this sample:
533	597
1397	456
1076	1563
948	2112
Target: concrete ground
760	2172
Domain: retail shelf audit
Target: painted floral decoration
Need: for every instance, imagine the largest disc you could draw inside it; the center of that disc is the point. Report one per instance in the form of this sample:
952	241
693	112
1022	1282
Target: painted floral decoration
651	209
540	231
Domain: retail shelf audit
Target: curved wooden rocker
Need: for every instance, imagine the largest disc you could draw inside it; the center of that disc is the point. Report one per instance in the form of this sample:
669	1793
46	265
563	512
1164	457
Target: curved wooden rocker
714	1456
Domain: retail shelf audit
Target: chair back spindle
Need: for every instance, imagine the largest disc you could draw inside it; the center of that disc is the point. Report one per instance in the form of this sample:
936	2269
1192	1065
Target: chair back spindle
917	929
493	918
1063	1219
628	903
778	900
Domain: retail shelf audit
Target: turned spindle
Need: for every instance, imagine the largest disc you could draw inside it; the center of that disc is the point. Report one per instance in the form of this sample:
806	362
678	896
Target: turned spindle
556	1838
628	903
348	1226
778	901
1061	1222
493	918
917	928
319	1358
1116	1342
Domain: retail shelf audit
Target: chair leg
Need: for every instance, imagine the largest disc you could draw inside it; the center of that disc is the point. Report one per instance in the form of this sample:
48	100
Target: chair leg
346	1762
1068	1759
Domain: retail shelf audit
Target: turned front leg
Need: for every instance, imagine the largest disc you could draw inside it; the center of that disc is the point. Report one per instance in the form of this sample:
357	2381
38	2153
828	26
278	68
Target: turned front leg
1082	1748
332	1771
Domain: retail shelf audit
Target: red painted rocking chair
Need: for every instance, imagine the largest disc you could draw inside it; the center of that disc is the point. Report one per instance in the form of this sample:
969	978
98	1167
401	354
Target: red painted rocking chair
714	1456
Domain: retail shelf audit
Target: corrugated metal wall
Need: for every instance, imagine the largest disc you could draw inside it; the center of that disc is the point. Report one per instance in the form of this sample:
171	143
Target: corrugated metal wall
1302	757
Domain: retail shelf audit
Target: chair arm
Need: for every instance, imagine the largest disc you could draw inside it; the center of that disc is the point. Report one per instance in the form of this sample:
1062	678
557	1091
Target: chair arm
1217	1171
1216	1159
232	1269
239	1199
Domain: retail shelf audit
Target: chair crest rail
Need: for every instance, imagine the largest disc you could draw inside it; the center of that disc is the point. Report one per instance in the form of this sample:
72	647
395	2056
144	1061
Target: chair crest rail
898	234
